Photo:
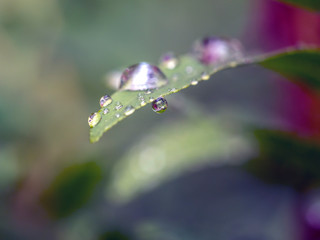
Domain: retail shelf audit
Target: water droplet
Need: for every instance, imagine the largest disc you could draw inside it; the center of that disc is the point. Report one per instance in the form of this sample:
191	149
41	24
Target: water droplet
151	99
169	61
143	103
171	90
94	119
194	82
217	50
189	69
105	111
129	110
159	105
175	77
117	115
149	91
118	106
105	100
205	76
142	76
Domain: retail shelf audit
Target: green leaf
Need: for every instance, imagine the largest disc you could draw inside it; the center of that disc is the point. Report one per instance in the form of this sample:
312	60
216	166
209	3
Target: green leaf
308	4
287	159
303	66
71	189
302	63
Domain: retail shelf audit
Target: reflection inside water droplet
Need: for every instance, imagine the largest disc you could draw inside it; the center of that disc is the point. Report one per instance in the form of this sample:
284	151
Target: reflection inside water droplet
117	115
142	76
94	119
159	105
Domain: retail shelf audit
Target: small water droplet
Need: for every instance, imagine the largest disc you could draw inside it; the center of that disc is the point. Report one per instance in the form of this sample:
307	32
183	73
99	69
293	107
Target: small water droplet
159	105
169	61
142	76
149	91
175	77
151	99
105	100
189	69
143	103
118	106
217	50
171	90
94	119
205	76
129	110
194	82
105	111
117	115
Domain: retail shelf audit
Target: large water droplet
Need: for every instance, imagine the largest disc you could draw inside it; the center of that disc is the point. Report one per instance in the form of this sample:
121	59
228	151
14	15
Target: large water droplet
129	110
142	76
169	61
159	105
217	50
94	119
105	100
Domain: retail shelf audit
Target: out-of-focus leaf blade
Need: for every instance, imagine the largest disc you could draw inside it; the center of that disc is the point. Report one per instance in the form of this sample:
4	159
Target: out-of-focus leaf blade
308	4
302	66
71	189
173	149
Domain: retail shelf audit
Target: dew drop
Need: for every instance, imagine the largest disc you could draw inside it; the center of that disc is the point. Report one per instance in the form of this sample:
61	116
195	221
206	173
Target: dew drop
217	50
117	115
129	110
194	82
94	119
105	100
118	106
105	111
143	103
142	76
205	76
175	77
171	90
169	61
151	99
149	91
189	69
159	105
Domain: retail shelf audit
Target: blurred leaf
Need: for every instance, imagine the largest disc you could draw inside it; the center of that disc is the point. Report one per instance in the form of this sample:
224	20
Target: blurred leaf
287	159
71	189
309	4
113	235
303	66
297	63
172	149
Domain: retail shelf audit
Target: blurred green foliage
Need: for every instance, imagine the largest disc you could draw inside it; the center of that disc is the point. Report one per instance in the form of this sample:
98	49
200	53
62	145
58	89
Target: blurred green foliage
71	189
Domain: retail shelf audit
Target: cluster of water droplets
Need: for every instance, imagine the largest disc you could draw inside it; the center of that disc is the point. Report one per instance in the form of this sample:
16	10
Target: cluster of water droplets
210	51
